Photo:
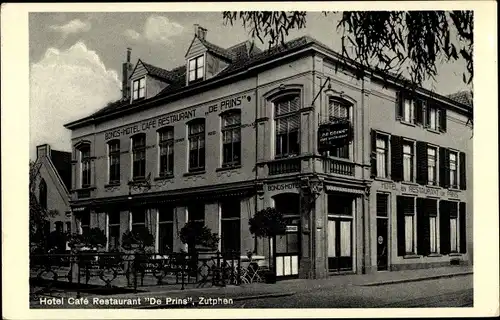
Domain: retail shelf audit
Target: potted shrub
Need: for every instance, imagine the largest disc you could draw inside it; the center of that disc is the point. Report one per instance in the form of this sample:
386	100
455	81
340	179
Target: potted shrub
137	240
198	236
268	223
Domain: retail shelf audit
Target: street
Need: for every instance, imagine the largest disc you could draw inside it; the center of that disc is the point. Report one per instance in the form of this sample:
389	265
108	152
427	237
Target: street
446	292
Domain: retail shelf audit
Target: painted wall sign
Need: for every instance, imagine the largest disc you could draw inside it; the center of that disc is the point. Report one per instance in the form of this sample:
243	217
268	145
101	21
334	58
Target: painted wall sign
292	228
172	118
283	186
332	135
421	190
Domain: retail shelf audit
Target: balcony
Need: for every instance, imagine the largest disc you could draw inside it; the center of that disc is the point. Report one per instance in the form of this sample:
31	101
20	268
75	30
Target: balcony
337	166
283	166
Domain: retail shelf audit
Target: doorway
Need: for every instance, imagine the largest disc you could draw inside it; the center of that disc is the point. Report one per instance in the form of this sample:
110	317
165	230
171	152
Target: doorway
341	210
382	232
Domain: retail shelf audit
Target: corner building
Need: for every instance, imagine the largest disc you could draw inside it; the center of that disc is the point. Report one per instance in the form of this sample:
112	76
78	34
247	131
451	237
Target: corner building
235	130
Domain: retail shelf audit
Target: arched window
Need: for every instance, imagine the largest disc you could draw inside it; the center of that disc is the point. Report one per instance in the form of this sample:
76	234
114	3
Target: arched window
166	151
231	138
85	168
42	188
339	110
196	136
139	156
114	161
287	125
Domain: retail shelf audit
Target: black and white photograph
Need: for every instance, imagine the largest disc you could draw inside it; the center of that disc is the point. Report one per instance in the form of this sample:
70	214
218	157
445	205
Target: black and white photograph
213	159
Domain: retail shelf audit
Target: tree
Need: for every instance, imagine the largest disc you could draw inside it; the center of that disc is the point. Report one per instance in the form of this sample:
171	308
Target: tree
267	223
387	41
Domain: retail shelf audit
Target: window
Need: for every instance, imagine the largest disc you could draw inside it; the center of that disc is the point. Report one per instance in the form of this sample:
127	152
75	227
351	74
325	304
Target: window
85	166
58	226
85	222
139	88
114	230
42	198
165	229
431	164
454	245
382	156
382	205
68	227
166	150
230	226
453	170
339	111
408	110
139	156
138	219
231	139
114	161
287	122
432	117
433	234
196	69
196	213
197	145
406	225
408	161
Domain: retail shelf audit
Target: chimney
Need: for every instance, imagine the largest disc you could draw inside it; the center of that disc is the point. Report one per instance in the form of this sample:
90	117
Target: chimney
200	32
126	71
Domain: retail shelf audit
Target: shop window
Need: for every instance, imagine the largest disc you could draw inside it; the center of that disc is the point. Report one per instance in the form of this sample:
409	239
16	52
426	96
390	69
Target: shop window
114	230
139	88
231	138
196	145
165	229
230	225
196	213
85	222
139	156
166	151
454	238
138	219
42	197
114	161
406	225
427	233
287	125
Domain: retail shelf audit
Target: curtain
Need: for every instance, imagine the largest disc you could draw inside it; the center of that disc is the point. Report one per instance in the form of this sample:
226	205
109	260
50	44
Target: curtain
433	238
408	233
453	235
345	238
331	239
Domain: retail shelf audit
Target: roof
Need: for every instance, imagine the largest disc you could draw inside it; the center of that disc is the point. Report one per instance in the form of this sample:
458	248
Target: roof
242	57
224	53
62	163
157	72
463	97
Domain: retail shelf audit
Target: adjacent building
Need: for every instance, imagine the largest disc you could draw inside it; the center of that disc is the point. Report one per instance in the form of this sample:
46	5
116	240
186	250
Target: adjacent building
235	130
52	183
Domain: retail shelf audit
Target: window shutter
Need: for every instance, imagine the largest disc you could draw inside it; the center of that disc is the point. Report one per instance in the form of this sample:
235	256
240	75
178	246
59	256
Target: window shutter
373	157
396	158
444	226
444	167
423	228
399	105
463	176
400	225
463	228
419	115
442	120
422	165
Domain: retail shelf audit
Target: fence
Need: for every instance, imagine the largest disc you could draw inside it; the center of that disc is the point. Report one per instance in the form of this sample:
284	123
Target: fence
115	272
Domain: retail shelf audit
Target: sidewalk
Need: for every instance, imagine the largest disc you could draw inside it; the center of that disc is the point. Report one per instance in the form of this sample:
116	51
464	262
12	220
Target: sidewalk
182	298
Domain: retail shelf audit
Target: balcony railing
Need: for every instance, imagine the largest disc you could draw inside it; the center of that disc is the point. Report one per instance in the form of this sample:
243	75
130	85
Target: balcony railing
337	166
283	166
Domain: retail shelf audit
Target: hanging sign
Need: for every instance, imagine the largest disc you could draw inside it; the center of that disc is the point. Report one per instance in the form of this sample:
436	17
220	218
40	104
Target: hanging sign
334	135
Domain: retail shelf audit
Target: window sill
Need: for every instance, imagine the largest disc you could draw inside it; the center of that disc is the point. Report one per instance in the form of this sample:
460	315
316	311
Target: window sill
454	189
409	183
89	188
411	256
436	131
193	173
165	177
112	184
383	179
455	254
226	168
434	255
407	123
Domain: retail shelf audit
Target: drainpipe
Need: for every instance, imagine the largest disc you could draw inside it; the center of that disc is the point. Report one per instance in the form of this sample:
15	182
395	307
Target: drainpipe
255	244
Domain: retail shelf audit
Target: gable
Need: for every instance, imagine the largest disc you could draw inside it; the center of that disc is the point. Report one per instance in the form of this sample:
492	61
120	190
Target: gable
139	70
196	48
58	193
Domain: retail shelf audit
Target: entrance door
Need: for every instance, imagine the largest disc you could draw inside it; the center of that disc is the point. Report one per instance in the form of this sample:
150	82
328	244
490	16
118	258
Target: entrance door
382	257
287	250
339	244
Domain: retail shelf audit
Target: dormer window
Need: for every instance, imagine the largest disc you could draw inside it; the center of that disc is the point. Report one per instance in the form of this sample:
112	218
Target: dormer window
196	68
139	88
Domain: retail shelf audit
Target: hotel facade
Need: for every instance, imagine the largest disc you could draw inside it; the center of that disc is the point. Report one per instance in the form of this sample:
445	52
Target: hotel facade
235	130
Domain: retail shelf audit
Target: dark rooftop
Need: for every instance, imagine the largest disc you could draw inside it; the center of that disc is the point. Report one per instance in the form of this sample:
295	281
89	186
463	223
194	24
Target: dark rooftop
62	163
463	97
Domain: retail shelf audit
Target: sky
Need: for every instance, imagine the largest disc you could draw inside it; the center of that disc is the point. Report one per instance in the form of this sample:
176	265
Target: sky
75	59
